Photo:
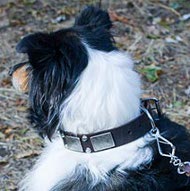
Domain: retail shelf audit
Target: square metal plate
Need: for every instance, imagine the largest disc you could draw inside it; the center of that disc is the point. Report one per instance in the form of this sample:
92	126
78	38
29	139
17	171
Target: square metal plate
102	141
73	143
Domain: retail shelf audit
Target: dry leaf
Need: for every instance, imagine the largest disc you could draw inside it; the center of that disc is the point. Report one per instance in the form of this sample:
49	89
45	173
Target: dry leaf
115	17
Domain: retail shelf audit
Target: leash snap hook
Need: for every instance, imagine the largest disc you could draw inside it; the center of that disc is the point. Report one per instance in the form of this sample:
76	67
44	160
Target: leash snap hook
184	168
154	129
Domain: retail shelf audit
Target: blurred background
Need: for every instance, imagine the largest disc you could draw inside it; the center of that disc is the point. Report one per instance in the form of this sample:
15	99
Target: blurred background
155	32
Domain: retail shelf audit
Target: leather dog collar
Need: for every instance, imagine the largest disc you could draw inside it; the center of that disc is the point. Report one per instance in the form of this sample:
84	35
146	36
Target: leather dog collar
108	139
100	141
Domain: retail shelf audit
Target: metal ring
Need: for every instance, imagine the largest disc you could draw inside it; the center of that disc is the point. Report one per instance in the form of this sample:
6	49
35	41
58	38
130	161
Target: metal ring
180	170
176	162
150	118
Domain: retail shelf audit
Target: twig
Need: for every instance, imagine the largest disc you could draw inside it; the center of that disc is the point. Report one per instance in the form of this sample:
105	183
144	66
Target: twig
7	97
133	46
149	47
141	11
168	8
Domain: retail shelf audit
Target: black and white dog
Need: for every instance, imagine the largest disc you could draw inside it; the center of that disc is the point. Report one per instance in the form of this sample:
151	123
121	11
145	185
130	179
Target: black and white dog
80	88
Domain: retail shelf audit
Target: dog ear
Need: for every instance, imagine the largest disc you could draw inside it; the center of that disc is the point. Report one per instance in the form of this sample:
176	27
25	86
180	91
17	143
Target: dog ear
56	59
47	80
38	46
94	26
32	42
94	18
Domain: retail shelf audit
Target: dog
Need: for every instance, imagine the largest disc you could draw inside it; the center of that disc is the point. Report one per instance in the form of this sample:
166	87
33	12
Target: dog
85	101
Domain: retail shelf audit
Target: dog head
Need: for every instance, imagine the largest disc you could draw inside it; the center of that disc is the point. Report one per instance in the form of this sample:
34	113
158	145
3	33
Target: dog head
56	61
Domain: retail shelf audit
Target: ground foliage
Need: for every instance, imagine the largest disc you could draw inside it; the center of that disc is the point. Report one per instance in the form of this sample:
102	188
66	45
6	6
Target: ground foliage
155	32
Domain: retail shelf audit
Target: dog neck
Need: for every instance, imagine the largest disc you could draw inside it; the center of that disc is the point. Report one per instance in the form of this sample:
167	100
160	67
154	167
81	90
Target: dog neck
106	95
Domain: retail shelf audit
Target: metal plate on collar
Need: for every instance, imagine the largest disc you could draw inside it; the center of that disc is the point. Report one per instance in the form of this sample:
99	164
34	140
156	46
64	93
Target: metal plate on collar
102	141
73	143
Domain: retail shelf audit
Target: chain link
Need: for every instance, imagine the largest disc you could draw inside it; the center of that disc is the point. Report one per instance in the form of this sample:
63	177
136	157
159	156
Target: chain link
176	161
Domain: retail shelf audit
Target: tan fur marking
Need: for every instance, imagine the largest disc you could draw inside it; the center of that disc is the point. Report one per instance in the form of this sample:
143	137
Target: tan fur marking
20	79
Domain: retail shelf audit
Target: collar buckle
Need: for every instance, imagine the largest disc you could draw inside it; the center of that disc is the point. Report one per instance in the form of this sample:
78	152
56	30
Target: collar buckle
153	106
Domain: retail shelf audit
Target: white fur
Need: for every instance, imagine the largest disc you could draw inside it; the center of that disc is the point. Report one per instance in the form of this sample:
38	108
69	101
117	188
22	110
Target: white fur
106	95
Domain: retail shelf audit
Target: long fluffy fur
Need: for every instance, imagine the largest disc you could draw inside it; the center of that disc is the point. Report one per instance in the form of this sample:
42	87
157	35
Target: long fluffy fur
81	83
107	94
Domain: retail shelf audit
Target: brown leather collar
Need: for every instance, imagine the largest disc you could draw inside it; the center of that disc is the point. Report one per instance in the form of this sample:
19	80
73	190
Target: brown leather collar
108	139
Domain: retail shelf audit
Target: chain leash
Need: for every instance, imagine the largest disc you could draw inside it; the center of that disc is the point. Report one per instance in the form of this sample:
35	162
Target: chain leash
182	167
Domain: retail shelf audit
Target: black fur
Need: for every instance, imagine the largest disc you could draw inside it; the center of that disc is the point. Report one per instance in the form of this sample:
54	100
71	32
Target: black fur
57	60
159	175
94	26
